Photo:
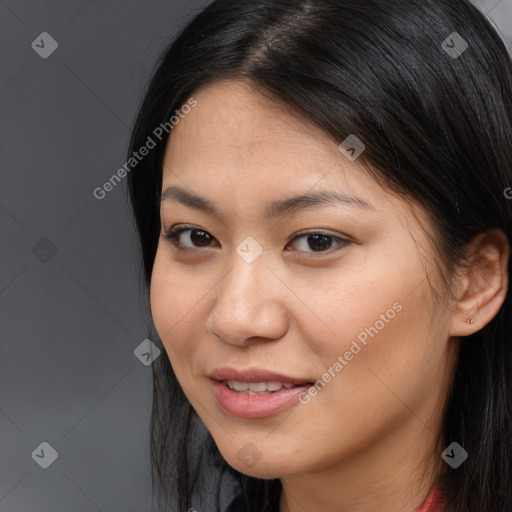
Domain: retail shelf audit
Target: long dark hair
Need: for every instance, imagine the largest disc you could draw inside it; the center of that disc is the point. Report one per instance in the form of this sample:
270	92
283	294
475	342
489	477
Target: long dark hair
437	126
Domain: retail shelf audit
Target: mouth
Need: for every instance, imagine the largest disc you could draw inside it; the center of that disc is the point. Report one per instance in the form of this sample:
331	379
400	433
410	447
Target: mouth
255	393
260	388
245	378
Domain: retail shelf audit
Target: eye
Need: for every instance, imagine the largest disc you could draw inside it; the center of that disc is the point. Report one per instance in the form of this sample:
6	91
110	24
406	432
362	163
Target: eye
319	241
196	238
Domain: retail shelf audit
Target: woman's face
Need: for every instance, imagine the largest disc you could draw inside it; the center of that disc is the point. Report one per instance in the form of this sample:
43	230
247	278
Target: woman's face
346	304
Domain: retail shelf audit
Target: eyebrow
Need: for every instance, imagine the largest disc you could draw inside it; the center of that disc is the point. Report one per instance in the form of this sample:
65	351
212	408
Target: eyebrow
273	209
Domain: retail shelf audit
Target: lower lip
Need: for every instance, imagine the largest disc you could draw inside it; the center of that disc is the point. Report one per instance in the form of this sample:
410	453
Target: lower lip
243	405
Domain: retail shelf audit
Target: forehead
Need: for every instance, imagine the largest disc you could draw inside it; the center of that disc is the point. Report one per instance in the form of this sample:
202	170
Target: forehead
236	132
244	151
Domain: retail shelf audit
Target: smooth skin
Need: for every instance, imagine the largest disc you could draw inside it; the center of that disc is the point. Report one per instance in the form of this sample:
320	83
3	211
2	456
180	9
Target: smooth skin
365	441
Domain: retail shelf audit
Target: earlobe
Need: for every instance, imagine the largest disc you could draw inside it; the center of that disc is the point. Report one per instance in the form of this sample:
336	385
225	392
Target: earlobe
484	285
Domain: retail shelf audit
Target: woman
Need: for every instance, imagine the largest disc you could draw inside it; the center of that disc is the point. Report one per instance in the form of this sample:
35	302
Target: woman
324	220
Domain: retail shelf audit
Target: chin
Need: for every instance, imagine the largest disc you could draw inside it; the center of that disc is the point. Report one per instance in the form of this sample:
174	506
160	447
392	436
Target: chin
252	461
259	470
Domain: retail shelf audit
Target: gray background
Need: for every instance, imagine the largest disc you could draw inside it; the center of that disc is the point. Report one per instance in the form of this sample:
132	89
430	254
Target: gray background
71	316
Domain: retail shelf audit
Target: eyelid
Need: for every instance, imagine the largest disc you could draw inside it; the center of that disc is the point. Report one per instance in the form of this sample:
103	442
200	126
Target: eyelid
321	231
343	241
174	232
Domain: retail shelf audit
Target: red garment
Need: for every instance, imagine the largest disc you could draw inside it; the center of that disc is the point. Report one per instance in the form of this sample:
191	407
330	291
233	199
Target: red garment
432	503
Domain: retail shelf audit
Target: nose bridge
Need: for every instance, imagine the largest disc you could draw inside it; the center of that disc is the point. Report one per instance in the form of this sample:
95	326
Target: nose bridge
249	270
247	303
244	286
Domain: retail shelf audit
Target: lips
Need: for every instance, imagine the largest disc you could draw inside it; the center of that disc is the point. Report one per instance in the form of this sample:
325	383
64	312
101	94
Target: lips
255	393
258	388
255	375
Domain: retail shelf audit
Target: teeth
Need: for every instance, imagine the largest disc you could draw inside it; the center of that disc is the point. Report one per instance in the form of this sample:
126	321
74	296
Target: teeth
258	388
238	386
275	386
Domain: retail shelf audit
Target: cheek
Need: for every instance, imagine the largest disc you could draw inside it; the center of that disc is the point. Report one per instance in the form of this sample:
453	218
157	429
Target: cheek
163	299
375	340
175	300
365	301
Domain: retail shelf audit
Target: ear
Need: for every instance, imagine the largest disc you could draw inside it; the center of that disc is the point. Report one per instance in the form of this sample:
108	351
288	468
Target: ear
484	286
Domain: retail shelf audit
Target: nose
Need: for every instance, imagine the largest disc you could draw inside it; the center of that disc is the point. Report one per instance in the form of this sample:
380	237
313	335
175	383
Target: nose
249	305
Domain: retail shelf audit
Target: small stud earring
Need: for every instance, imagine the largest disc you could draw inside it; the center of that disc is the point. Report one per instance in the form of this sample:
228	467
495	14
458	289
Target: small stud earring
469	320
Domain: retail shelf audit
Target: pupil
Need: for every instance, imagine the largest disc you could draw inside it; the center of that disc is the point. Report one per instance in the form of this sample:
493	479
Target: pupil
201	240
320	241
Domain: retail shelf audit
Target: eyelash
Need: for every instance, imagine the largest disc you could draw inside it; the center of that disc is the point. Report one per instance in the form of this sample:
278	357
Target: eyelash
173	235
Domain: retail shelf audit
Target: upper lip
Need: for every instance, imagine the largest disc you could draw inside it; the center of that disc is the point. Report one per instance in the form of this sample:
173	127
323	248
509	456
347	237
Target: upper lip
253	375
